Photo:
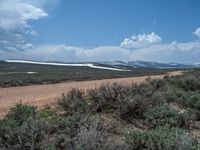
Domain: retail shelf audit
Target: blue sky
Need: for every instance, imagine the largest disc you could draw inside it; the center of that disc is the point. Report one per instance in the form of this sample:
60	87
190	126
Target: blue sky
108	22
90	30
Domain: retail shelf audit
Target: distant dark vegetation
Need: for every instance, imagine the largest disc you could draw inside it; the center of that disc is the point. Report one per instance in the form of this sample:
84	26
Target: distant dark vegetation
155	115
15	74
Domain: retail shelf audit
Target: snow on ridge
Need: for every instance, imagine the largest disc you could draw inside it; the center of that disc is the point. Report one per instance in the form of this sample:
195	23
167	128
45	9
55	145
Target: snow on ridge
31	72
107	68
65	64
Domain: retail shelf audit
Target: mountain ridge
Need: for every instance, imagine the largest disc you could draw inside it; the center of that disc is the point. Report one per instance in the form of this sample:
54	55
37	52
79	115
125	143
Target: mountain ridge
121	64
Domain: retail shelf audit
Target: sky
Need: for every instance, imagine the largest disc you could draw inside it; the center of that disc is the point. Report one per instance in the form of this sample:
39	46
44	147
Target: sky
100	30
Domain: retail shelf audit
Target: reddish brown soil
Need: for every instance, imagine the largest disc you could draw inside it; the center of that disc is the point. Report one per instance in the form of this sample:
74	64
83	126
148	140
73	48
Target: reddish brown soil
41	95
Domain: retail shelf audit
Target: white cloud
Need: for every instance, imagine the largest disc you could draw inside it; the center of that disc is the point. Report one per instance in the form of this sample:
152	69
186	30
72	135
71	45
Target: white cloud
172	52
197	32
141	41
29	12
14	17
41	3
69	53
103	53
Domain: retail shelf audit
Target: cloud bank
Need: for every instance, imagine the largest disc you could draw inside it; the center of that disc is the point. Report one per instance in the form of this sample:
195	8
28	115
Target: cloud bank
14	26
172	52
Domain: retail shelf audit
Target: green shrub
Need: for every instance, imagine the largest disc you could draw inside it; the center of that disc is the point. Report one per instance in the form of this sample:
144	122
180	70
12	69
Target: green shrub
23	128
144	89
162	138
70	124
123	101
8	130
155	84
194	101
133	107
86	136
47	112
138	89
106	98
65	133
27	136
21	113
32	133
189	99
157	99
187	83
170	94
151	92
73	102
162	116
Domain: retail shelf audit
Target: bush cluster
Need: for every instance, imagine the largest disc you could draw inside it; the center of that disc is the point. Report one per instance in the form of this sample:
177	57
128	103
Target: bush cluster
166	116
162	138
22	128
161	112
73	102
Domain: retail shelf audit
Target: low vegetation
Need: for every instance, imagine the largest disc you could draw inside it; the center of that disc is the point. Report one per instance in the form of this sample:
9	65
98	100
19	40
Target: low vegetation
155	115
19	74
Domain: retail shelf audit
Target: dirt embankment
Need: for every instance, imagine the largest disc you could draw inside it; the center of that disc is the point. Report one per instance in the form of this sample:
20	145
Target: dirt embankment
41	95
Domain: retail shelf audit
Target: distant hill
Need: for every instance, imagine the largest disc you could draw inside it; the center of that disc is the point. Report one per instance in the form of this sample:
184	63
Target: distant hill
146	64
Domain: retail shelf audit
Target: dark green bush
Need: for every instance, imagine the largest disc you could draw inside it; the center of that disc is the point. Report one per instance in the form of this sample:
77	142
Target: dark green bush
29	135
170	94
166	116
157	99
73	102
47	112
162	138
187	83
71	124
189	99
64	136
123	101
153	96
194	101
21	113
155	84
142	89
133	107
106	98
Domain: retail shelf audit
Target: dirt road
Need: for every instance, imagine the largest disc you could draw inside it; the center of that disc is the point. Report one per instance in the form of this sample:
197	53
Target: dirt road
41	95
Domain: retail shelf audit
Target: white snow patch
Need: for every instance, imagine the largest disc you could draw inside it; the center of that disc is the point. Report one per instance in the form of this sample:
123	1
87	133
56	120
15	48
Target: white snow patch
31	72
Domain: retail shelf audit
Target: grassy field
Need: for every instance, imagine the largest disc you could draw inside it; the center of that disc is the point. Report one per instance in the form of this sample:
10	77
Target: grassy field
155	115
15	74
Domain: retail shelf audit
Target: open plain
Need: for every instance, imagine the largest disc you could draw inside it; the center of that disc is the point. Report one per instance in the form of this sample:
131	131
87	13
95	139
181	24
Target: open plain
42	95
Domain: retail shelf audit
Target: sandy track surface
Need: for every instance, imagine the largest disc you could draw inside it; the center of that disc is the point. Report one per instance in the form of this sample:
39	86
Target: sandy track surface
41	95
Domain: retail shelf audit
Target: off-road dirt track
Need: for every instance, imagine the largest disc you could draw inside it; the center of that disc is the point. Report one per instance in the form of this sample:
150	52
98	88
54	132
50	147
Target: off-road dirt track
42	95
